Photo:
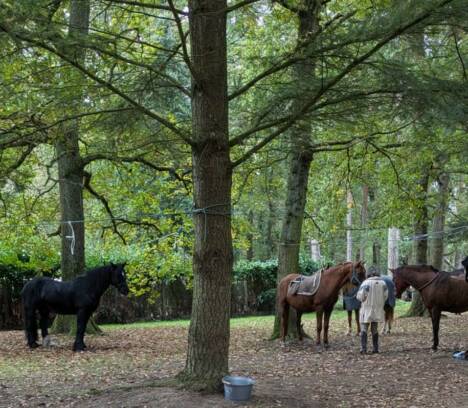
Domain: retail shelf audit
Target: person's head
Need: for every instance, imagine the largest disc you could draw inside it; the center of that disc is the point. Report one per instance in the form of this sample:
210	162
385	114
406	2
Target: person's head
372	271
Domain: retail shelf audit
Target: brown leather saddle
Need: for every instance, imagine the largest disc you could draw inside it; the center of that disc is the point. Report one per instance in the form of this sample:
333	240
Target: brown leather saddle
305	285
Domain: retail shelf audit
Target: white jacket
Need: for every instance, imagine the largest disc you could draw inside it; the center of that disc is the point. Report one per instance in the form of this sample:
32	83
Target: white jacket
373	293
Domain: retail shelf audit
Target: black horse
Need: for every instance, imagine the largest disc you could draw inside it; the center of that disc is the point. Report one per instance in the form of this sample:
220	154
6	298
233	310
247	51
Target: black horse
79	296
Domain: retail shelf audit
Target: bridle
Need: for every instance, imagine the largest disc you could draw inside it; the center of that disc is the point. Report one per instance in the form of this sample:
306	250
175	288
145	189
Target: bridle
428	283
354	277
425	285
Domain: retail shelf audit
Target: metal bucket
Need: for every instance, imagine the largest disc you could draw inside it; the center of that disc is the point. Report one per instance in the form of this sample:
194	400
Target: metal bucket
237	388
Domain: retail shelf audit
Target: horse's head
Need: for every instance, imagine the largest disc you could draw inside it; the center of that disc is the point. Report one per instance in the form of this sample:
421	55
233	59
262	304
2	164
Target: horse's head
118	278
400	284
358	274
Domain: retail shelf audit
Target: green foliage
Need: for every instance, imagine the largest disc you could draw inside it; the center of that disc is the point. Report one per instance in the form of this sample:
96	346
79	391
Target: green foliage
261	277
399	109
13	277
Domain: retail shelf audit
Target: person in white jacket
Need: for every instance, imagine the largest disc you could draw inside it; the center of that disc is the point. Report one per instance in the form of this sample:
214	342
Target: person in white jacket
372	293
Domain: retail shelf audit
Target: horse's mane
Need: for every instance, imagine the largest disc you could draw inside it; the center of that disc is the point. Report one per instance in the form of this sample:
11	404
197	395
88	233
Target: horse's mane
340	264
419	268
99	274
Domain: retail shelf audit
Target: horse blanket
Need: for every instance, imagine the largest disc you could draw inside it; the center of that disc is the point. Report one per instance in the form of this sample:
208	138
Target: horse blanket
350	302
305	285
391	290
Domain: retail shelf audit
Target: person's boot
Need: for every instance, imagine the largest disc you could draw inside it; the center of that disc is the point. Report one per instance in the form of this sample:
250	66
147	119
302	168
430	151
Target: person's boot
363	342
375	343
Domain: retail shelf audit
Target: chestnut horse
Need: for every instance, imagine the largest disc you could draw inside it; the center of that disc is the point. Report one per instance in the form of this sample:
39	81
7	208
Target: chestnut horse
440	292
322	302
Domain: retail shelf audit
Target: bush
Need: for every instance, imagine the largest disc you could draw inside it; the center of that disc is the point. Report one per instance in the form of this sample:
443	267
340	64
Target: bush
261	279
13	277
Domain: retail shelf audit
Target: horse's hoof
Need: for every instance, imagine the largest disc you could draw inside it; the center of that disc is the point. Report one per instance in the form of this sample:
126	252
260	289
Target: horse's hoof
33	345
326	346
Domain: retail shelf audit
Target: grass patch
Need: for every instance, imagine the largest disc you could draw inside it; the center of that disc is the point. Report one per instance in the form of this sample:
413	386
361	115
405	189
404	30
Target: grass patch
400	309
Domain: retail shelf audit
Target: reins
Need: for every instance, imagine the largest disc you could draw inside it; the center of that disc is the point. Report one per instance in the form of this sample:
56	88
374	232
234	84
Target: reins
428	283
354	277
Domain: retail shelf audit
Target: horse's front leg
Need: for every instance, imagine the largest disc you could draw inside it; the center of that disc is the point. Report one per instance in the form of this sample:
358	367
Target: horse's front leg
350	322
299	325
319	315
325	327
82	318
435	314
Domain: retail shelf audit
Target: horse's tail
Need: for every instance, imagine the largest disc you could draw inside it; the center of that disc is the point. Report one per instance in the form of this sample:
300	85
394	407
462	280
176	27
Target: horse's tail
29	312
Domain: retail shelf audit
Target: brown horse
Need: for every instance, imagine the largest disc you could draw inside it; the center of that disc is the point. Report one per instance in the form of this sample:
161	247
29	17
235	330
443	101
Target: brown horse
322	302
440	292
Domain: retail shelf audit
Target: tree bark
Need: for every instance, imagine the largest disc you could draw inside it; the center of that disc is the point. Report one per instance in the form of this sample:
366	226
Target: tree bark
70	171
291	232
299	167
349	226
438	223
376	253
392	250
420	228
208	339
250	238
364	221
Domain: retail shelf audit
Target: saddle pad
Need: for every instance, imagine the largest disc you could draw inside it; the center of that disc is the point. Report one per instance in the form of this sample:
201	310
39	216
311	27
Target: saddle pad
305	285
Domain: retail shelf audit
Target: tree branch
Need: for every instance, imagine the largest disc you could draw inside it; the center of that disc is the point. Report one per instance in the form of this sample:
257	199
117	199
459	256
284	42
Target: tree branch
105	203
94	77
326	87
182	37
147	5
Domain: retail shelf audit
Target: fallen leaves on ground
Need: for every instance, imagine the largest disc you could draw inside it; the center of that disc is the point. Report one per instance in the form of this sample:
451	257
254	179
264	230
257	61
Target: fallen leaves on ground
118	368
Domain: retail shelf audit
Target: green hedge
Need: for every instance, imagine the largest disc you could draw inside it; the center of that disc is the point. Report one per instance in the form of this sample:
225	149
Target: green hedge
261	278
13	277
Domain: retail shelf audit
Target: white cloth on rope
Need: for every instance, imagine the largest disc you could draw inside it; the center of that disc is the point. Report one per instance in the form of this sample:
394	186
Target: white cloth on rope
71	237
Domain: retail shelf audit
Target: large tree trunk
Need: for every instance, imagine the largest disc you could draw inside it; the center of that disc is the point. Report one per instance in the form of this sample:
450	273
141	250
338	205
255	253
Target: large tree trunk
420	240
364	221
392	248
208	339
291	231
349	226
250	238
298	176
269	241
70	171
376	253
438	224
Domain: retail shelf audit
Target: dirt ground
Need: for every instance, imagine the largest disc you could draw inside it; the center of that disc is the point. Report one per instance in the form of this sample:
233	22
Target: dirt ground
120	368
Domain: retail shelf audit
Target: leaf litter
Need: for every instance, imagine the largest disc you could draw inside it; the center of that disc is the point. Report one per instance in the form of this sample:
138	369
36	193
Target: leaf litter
120	368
